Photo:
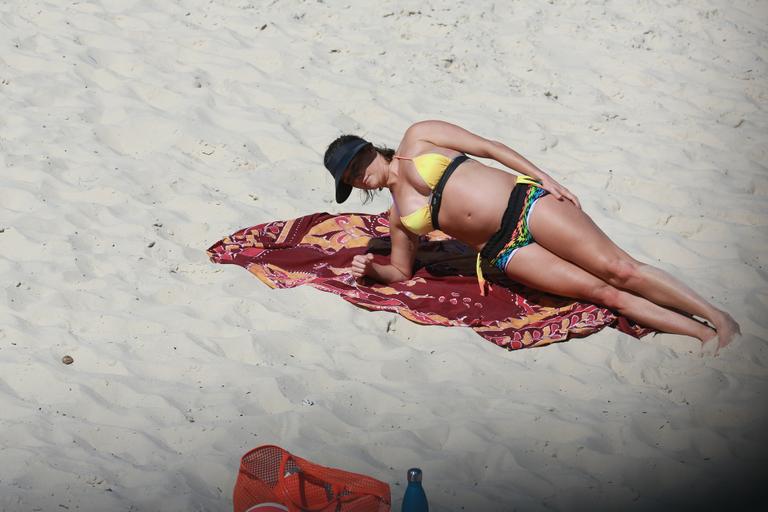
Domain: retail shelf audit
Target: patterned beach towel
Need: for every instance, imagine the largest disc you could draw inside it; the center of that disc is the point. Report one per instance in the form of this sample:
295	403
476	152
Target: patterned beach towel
317	250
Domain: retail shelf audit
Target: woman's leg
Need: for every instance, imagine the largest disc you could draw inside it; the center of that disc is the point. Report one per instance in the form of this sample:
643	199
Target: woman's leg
536	267
571	234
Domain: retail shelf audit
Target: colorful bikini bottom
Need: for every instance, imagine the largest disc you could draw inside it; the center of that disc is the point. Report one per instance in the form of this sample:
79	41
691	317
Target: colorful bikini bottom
514	232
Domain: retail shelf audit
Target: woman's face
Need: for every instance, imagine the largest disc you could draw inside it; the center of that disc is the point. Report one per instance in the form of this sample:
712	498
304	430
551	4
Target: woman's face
361	172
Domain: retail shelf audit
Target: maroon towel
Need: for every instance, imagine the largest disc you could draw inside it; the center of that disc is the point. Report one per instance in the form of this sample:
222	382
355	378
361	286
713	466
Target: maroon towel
317	250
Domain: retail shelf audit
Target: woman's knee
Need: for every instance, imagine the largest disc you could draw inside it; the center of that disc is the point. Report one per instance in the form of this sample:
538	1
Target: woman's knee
620	270
608	296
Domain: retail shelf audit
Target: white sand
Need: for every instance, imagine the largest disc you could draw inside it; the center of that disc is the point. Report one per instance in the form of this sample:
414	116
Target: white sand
134	134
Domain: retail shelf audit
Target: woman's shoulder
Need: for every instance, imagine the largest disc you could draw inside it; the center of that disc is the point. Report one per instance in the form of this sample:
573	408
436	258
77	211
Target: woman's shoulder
442	134
418	139
423	128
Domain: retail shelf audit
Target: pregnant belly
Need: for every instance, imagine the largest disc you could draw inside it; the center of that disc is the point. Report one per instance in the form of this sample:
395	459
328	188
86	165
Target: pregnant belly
472	209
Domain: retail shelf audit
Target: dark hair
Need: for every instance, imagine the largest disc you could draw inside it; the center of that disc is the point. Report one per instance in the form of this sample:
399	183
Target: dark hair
384	151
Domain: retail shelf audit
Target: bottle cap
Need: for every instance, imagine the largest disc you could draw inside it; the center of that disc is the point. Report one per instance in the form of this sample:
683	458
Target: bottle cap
414	475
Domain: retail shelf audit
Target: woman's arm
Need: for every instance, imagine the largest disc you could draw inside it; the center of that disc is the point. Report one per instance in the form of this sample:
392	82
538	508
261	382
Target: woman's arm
455	137
402	256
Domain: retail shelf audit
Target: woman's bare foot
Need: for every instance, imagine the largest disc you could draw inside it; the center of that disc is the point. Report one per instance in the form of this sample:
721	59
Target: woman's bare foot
727	329
708	339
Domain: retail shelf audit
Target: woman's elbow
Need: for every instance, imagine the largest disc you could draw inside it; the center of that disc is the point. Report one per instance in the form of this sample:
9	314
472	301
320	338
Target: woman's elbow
404	274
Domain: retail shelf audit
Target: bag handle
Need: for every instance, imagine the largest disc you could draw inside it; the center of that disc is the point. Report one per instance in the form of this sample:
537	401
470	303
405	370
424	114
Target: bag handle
335	487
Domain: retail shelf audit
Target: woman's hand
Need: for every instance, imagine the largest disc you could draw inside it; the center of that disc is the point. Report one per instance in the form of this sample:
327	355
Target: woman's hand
559	191
361	264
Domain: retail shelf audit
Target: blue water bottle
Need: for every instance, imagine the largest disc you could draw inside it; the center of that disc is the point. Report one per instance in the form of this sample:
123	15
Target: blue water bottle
414	500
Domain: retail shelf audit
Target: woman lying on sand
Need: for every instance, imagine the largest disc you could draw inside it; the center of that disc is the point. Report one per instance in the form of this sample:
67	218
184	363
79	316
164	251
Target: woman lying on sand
554	247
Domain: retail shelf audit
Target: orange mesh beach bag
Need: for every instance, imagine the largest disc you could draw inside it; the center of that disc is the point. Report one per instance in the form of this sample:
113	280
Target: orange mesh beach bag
272	479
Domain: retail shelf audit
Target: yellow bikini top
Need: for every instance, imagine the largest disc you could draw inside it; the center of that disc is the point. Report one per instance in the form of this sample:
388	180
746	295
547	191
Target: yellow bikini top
430	167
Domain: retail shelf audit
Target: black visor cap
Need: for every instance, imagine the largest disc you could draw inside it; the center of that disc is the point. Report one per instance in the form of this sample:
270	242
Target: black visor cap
338	160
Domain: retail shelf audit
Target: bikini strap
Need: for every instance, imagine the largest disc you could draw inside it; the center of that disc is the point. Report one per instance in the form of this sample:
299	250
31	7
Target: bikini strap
437	192
527	180
480	279
401	157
